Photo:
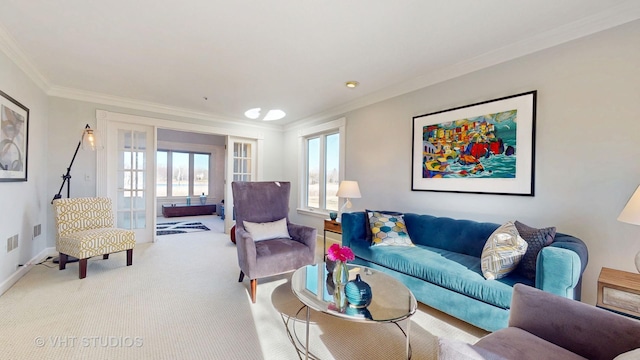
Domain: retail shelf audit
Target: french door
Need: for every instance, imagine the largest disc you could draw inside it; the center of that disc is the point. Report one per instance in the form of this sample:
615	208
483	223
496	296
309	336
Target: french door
241	166
130	170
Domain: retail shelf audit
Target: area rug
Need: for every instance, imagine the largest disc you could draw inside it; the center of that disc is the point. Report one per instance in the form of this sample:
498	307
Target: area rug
180	227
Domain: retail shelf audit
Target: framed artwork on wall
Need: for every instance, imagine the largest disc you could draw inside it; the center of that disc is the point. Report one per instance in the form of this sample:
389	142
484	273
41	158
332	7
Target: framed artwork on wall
14	134
487	148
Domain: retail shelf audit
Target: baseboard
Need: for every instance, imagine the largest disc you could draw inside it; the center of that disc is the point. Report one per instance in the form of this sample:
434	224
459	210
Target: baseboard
23	270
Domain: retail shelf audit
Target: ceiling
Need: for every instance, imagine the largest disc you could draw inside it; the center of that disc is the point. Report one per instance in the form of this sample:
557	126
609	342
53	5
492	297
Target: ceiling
214	59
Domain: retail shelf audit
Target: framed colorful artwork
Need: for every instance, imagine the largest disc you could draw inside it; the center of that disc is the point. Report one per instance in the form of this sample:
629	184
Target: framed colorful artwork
14	130
487	148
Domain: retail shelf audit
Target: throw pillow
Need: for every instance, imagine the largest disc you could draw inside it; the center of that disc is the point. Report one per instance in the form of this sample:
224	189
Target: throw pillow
368	224
629	355
502	252
388	230
537	239
269	230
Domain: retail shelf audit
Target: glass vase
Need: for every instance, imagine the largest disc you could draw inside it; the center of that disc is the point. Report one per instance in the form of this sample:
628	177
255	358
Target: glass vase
340	274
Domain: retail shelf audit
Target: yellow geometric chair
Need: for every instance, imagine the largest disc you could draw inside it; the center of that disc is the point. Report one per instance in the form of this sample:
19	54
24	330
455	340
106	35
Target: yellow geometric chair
85	228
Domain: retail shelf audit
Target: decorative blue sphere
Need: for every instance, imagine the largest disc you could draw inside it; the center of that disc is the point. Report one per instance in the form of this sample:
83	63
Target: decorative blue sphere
358	293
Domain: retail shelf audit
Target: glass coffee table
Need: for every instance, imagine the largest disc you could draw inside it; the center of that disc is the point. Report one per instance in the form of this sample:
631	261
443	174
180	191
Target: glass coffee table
391	301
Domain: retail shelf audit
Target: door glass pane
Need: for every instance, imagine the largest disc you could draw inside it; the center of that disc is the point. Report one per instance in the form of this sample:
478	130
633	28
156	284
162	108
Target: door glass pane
124	160
124	220
140	163
161	173
140	220
126	139
201	174
140	140
180	177
332	166
123	203
313	181
139	200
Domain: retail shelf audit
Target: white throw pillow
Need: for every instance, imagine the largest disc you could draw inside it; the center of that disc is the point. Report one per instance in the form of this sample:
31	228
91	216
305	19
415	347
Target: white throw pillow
502	252
629	355
266	231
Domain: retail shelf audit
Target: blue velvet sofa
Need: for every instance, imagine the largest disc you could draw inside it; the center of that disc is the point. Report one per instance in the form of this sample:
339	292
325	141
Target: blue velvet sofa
443	268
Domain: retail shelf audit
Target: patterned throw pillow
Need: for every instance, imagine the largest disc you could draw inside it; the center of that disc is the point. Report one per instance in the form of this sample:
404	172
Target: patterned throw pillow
368	224
502	252
388	230
537	239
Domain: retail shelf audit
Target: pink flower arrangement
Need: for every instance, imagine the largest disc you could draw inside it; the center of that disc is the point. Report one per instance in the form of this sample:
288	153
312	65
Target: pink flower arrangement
340	253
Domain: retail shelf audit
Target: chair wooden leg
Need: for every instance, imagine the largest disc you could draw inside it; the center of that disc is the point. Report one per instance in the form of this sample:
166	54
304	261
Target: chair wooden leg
105	256
62	263
83	268
129	257
241	276
254	288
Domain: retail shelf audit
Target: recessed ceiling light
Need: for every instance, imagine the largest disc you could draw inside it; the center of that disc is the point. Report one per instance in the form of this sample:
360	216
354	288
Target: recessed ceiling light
252	113
274	115
352	84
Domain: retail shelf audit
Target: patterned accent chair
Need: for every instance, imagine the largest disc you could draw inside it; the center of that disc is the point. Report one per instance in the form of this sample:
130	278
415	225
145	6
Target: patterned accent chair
264	202
85	228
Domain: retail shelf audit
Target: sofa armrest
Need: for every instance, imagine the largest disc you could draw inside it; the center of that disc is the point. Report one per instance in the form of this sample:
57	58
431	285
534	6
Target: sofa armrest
304	234
353	227
558	271
578	327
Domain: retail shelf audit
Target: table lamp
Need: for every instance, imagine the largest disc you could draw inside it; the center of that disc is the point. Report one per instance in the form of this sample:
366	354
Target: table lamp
348	190
631	215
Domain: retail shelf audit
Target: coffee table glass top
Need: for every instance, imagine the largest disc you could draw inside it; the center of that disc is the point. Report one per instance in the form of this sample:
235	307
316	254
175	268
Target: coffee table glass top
391	300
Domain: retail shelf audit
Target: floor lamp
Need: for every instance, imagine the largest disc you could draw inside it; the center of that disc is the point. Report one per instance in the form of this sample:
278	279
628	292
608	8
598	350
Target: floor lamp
88	141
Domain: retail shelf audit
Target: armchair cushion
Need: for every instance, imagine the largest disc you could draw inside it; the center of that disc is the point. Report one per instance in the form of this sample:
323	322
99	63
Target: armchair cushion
267	230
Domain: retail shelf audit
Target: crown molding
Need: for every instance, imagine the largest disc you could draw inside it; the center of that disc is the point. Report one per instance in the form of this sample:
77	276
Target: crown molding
11	48
621	14
128	103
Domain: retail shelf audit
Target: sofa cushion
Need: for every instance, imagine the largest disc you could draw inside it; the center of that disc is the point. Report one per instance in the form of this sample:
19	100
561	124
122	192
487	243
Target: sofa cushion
515	343
502	252
388	230
454	271
462	236
537	239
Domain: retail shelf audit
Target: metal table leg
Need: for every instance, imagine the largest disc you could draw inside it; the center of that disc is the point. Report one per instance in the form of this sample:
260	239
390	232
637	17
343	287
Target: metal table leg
408	347
306	354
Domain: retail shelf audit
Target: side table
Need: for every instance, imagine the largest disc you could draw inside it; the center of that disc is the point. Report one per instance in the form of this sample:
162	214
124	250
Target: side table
619	291
330	226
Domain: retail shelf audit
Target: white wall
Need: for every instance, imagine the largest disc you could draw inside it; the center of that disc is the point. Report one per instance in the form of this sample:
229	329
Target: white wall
24	204
587	157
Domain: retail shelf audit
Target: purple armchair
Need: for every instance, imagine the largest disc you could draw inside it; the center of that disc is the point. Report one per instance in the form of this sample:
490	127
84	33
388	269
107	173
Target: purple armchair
546	326
265	203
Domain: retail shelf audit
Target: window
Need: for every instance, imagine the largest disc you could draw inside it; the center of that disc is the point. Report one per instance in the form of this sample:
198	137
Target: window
182	173
323	160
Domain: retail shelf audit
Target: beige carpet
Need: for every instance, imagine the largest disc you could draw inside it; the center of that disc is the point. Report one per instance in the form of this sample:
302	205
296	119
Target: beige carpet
181	300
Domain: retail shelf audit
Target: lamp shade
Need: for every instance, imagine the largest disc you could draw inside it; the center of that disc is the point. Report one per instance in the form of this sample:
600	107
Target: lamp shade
90	139
349	189
631	212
